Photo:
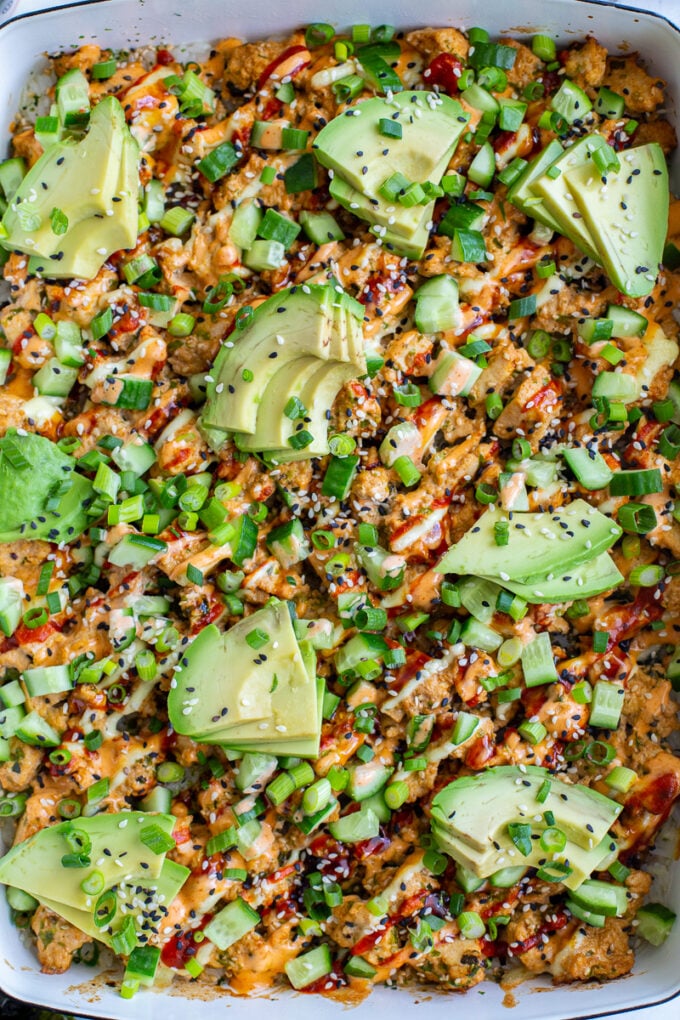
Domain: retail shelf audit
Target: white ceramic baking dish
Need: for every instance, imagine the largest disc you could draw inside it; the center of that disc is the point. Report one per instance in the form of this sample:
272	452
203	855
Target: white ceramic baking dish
33	31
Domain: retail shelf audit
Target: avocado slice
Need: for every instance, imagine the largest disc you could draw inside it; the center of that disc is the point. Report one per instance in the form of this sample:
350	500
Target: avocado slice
81	179
302	747
626	216
140	898
581	582
273	427
401	221
363	159
477	809
541	544
300	317
583	862
117	851
521	193
81	243
25	491
227	690
556	194
352	145
318	396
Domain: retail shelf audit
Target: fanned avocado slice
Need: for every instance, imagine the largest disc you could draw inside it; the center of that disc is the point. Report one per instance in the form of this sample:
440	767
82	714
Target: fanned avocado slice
273	426
294	323
522	194
25	489
94	182
540	544
352	145
583	862
400	221
302	747
117	852
556	194
318	396
226	687
477	809
581	582
145	899
626	214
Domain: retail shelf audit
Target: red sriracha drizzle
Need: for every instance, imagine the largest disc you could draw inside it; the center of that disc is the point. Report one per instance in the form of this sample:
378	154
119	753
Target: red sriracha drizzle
444	71
183	946
270	68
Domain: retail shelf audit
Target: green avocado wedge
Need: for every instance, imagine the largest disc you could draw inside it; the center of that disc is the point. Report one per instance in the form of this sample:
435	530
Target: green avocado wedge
582	862
229	689
144	899
308	321
32	470
540	546
626	214
94	183
117	851
581	582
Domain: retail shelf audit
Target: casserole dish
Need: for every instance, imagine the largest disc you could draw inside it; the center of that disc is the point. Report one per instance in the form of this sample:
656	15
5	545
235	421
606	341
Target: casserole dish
122	24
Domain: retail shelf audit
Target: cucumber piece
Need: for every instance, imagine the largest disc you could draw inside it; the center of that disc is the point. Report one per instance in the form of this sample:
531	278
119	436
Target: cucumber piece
571	102
402	440
626	322
479	99
158	801
479	597
601	897
483	166
11	604
35	730
47	680
589	466
231	924
437	306
309	967
288	543
19	900
68	344
10	720
367	779
135	457
355	828
505	878
12	694
377	804
12	173
477	635
596	920
654	923
467	880
54	379
143	964
255	769
320	227
245	224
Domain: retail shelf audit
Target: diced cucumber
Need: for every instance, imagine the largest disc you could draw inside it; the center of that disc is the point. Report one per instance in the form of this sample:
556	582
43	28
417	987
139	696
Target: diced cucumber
231	924
5	362
355	828
483	166
143	964
245	224
68	344
309	967
453	375
601	897
47	680
12	173
135	457
159	800
402	439
288	543
571	102
589	466
12	694
468	880
654	922
477	635
19	900
479	99
10	720
384	569
55	379
11	604
35	730
626	321
136	551
596	920
505	878
321	227
367	779
255	769
479	597
437	307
